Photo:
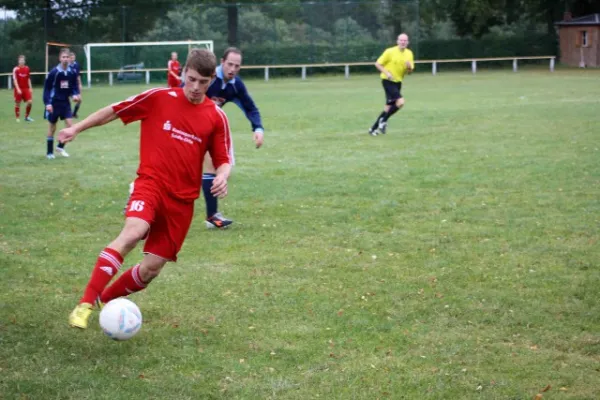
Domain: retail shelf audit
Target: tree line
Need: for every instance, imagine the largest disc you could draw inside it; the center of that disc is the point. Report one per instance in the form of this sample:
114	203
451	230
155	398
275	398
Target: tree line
311	24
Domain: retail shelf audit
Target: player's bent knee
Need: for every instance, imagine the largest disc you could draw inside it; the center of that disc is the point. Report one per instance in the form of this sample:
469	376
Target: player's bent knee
148	274
151	267
400	102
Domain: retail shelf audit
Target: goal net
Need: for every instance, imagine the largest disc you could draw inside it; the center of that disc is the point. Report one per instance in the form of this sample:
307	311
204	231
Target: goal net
134	61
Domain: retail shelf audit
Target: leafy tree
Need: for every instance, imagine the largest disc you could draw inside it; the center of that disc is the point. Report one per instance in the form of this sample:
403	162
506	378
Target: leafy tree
475	17
302	33
275	9
348	29
188	22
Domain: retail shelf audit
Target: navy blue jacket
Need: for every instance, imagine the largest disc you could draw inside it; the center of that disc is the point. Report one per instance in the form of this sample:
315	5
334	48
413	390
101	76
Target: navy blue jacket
60	85
234	91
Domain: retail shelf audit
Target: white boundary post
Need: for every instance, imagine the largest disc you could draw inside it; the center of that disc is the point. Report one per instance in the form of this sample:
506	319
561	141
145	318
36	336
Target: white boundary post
9	81
88	56
552	64
110	79
267	74
147	77
474	66
347	71
434	68
303	72
515	65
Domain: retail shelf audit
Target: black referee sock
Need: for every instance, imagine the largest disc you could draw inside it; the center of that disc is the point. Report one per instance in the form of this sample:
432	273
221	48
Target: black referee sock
393	109
76	108
61	145
376	124
49	145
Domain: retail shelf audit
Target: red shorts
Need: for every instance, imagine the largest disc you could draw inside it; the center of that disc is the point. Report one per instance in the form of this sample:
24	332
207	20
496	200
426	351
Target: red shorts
172	82
169	218
24	96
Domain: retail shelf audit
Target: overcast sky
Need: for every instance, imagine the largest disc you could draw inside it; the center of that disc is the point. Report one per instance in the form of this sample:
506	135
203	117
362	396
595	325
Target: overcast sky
4	13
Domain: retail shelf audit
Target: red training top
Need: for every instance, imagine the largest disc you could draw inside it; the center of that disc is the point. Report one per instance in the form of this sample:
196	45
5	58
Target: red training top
175	135
21	76
175	67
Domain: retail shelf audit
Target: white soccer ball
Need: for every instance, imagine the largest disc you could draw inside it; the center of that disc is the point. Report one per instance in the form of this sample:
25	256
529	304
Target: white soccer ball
120	319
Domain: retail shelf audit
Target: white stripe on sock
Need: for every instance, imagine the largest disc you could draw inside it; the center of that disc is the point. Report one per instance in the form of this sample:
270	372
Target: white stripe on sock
112	259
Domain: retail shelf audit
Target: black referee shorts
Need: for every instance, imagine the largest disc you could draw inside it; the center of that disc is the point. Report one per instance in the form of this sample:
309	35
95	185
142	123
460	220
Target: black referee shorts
392	91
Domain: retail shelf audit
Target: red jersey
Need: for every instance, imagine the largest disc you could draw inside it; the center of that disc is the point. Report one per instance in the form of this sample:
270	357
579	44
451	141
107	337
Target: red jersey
21	76
175	135
174	67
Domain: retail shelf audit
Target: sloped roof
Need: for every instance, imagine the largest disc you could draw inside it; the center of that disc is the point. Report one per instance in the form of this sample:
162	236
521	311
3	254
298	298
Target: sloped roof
592	19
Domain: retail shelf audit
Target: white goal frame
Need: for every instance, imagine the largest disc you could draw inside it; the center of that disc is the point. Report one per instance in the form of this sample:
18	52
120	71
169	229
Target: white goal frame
88	49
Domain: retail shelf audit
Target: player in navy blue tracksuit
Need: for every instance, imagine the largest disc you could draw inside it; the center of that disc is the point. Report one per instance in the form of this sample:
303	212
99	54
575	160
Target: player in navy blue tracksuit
228	87
61	84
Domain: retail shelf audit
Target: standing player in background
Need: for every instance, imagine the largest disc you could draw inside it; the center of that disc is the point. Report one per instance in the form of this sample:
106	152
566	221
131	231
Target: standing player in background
228	87
173	71
74	65
61	84
22	91
178	127
394	63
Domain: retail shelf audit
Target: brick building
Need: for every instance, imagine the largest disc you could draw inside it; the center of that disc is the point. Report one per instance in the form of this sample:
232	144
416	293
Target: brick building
580	40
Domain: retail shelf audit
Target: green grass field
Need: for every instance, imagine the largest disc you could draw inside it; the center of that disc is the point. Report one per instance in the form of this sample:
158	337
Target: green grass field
455	257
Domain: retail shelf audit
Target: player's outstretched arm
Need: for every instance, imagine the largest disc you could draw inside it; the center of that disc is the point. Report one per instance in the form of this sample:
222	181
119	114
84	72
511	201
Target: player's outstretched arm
246	103
100	117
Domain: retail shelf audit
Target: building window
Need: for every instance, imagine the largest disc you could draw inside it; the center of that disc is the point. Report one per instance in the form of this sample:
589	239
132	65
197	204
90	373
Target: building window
584	39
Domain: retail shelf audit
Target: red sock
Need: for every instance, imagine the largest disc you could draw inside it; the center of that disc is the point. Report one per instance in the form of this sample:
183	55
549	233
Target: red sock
108	264
17	111
129	282
27	110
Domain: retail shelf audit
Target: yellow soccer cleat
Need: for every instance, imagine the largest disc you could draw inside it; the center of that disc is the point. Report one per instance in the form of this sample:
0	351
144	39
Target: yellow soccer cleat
80	315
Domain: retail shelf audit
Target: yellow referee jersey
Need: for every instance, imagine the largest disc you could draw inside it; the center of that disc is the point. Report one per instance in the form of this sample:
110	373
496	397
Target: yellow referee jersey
394	60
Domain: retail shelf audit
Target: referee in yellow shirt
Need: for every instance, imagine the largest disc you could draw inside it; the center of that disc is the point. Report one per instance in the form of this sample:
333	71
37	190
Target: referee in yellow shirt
394	63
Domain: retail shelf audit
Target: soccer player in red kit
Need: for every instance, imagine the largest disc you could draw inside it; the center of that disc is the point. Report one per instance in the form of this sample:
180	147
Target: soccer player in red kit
174	71
22	91
178	126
